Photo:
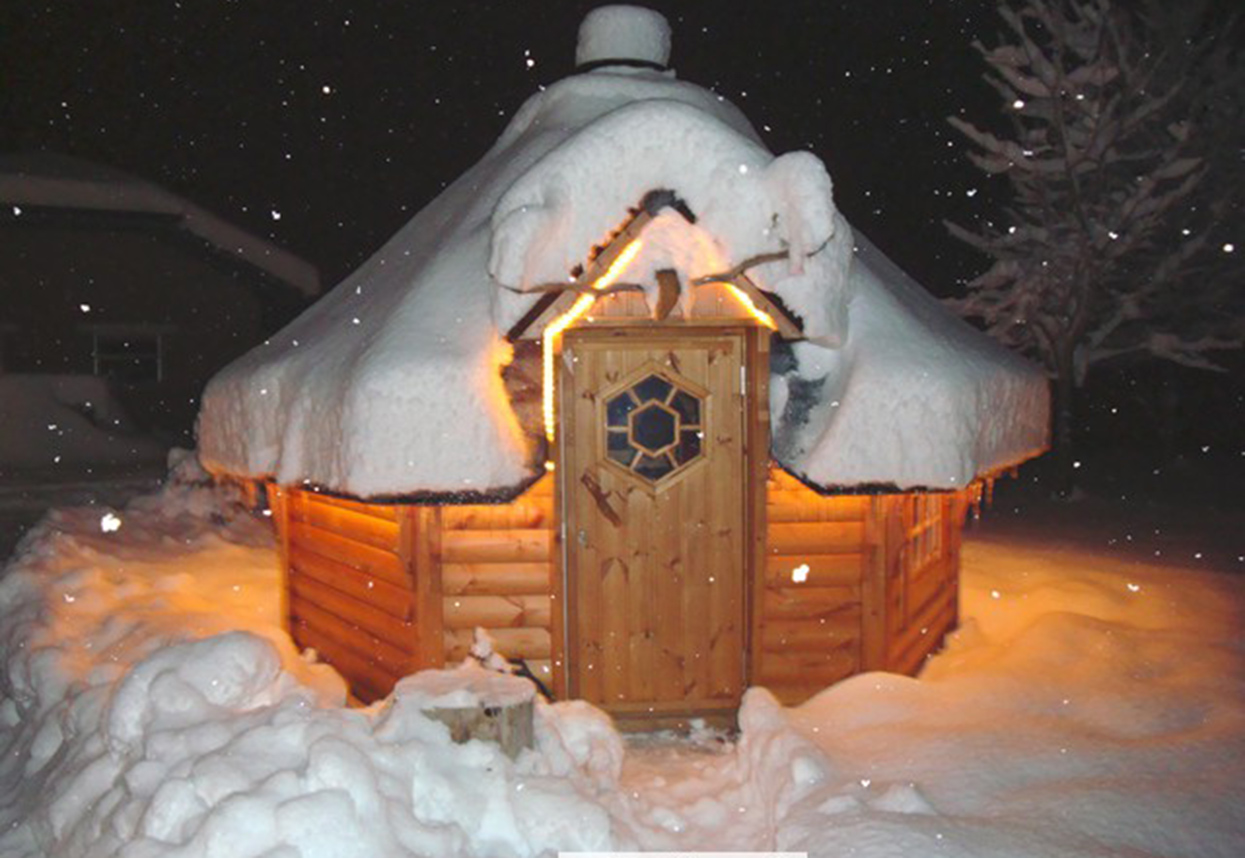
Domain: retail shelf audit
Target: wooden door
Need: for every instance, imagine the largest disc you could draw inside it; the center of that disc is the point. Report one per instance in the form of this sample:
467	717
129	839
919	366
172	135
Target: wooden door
654	495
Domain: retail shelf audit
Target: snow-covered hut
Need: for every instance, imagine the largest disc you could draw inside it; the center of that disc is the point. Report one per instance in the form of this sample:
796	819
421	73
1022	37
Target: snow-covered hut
630	396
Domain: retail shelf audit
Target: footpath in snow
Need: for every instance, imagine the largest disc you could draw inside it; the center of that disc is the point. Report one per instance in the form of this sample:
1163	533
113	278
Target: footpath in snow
152	706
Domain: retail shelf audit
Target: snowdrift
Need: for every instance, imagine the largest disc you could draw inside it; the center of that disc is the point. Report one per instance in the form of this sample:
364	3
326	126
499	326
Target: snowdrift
153	707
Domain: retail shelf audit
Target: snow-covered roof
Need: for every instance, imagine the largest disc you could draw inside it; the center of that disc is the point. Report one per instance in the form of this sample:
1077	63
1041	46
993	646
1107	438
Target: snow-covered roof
50	180
392	384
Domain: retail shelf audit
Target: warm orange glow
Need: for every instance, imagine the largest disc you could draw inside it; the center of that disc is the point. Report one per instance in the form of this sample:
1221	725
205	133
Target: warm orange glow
619	265
757	313
553	333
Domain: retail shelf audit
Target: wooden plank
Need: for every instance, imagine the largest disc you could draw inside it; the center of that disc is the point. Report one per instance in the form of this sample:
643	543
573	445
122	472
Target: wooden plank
524	643
523	513
932	581
811	635
365	558
278	503
807	668
367	529
399	602
691	706
757	467
422	536
806	505
356	614
810	603
558	673
891	528
388	512
814	570
829	537
467	612
924	637
873	618
394	659
499	579
368	681
521	545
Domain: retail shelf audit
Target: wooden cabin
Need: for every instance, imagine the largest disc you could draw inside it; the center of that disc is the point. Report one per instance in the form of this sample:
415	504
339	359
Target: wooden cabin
662	544
821	588
665	563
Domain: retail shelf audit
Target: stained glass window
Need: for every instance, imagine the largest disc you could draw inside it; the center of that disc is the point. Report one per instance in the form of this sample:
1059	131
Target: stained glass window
654	427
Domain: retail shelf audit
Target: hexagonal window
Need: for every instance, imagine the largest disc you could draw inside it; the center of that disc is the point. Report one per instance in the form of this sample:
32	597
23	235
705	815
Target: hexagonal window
654	428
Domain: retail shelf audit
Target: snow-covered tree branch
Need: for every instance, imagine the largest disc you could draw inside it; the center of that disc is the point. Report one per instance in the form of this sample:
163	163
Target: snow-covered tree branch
1123	160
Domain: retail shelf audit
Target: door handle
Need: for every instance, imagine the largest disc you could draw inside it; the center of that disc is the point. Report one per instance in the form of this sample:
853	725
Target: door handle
601	497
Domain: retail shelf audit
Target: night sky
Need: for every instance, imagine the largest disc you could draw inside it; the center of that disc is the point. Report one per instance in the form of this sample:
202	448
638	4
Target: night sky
326	125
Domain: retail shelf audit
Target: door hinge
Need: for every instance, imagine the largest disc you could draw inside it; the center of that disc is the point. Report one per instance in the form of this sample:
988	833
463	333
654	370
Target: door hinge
743	379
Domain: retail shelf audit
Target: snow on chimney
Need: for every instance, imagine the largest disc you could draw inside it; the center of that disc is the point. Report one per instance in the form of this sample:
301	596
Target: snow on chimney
623	35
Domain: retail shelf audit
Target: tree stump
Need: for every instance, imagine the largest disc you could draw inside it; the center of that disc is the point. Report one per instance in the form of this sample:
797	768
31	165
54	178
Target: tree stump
475	703
508	726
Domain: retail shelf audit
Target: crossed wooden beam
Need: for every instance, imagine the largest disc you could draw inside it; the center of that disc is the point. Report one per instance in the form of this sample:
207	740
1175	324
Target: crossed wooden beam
558	296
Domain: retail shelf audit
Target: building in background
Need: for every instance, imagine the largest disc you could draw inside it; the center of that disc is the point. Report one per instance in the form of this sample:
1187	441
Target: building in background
105	274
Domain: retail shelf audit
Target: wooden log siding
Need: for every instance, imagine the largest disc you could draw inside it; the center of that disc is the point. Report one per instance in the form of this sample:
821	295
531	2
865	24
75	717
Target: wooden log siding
381	591
350	593
807	632
922	574
848	583
496	573
879	586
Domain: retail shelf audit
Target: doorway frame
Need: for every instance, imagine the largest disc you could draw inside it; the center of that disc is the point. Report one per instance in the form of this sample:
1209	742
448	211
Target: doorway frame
754	386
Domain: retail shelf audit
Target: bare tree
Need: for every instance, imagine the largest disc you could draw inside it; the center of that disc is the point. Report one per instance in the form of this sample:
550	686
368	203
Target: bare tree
1107	245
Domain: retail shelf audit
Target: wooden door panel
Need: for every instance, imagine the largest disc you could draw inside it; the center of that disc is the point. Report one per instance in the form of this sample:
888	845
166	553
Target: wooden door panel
655	568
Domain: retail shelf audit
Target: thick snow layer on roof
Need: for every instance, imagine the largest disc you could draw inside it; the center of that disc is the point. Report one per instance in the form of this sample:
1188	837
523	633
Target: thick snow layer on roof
391	384
915	398
57	181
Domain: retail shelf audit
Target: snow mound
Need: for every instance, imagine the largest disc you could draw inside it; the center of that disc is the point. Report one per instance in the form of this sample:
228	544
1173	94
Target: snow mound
63	420
462	687
152	707
623	33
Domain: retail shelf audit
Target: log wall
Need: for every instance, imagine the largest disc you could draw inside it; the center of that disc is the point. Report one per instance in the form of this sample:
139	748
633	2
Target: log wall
921	565
852	583
380	591
849	583
808	601
497	573
349	591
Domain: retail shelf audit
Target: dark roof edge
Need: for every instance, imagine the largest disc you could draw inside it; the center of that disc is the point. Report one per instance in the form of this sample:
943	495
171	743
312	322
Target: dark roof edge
492	497
893	489
507	494
628	63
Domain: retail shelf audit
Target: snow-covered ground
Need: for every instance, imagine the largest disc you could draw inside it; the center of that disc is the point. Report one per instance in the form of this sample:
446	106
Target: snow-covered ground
1093	703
